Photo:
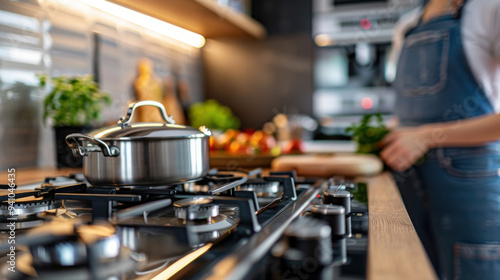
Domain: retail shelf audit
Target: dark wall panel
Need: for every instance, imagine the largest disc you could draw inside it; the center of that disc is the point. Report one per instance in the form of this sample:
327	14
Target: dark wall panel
259	79
283	16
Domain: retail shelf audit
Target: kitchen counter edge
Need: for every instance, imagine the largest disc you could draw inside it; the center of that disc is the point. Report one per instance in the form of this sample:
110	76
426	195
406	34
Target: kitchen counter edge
394	249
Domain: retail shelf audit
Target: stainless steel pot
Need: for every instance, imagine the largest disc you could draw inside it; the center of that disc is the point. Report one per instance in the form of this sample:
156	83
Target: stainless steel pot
139	154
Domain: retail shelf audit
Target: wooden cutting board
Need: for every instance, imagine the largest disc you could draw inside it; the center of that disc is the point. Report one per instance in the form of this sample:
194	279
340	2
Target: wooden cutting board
349	165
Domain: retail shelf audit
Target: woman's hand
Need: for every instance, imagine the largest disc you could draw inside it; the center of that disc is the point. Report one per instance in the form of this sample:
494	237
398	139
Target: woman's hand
404	146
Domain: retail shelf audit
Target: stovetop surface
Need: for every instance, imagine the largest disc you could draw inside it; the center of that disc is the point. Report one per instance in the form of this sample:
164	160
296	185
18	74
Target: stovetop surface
156	237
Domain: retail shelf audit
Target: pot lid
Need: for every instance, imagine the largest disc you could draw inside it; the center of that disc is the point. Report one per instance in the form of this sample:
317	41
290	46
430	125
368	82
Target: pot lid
141	131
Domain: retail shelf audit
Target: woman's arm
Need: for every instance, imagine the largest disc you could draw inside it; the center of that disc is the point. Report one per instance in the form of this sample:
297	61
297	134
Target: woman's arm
404	146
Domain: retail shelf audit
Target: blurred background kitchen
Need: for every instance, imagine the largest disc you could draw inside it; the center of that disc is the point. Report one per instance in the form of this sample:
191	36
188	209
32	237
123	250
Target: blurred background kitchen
326	59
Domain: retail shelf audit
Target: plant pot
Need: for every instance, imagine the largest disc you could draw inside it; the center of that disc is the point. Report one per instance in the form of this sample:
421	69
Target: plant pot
64	155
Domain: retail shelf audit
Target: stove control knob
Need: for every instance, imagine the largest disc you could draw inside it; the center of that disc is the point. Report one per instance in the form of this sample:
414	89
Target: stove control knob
310	238
333	215
340	198
308	247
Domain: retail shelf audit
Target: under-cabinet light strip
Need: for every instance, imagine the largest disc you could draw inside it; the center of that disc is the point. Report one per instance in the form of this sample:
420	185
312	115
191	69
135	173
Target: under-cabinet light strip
153	24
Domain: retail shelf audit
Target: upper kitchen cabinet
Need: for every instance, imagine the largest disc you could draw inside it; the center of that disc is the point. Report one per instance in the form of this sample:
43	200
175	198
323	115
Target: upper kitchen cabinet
205	17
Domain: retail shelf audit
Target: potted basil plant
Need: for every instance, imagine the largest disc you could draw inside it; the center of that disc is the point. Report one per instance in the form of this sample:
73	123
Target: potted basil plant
72	105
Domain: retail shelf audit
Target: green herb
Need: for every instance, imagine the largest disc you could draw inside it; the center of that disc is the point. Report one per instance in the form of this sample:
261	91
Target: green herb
73	101
368	136
212	115
360	193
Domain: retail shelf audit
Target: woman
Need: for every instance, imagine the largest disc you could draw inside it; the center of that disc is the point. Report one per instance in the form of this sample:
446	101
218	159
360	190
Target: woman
448	85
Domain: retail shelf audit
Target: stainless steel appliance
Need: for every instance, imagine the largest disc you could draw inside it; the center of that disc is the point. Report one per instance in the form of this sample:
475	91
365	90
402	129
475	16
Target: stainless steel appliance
352	80
347	22
352	69
227	225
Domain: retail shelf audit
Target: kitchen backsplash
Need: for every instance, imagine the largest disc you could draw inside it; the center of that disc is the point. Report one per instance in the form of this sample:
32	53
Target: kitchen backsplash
269	76
57	37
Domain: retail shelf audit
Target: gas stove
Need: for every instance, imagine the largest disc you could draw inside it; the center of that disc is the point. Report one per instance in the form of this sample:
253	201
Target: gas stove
228	225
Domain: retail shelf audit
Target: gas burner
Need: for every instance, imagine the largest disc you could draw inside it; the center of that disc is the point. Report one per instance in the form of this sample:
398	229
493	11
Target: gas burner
26	212
204	229
33	202
195	209
262	188
28	206
220	222
62	250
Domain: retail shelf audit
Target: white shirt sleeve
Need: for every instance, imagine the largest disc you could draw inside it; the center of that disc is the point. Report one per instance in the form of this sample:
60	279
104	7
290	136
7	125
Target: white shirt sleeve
495	30
481	37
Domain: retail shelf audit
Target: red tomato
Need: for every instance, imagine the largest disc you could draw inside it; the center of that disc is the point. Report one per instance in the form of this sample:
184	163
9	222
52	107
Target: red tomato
265	142
294	146
249	131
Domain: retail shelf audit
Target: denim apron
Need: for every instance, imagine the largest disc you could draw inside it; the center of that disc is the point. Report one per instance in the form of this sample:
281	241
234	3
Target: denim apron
453	197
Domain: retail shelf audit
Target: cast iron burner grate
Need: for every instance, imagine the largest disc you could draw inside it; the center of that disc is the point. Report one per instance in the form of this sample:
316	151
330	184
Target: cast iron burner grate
147	215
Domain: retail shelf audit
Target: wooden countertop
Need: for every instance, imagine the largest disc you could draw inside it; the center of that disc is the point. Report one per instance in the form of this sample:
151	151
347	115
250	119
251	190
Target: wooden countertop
394	250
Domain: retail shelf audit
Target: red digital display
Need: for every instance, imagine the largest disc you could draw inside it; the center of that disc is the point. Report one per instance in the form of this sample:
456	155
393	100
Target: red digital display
366	23
367	103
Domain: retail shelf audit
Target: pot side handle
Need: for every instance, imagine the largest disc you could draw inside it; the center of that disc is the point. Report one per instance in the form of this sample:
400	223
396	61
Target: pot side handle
124	121
79	151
